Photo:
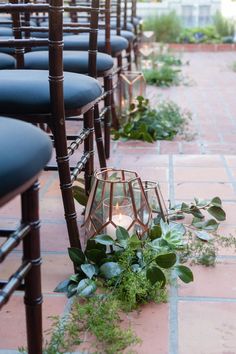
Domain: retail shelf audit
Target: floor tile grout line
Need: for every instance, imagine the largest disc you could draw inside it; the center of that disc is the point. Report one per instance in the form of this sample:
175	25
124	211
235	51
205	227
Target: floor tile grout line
173	308
206	299
228	171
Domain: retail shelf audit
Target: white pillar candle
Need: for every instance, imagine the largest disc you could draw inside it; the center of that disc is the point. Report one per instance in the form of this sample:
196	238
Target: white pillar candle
120	220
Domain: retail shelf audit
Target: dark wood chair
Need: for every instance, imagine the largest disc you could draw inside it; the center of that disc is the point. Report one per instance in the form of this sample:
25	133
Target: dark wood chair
24	151
43	97
78	62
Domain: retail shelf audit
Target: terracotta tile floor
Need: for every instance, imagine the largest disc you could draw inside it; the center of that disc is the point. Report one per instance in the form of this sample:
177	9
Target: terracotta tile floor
200	318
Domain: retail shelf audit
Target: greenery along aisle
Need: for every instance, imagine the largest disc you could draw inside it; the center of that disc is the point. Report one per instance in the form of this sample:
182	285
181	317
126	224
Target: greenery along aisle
150	124
115	275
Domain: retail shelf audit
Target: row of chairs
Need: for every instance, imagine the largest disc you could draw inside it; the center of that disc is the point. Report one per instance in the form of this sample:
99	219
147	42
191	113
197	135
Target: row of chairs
40	92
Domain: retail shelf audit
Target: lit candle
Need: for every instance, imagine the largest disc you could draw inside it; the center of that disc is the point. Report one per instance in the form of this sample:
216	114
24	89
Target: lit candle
120	220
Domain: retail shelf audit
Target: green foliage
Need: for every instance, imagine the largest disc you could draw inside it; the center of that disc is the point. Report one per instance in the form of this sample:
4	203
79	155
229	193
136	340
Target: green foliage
136	271
199	35
224	27
169	59
233	66
166	76
167	27
101	318
149	124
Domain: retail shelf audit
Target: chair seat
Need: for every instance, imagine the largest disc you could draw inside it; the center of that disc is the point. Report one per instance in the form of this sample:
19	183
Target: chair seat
126	34
81	42
137	20
7	61
24	93
129	25
5	31
24	151
74	61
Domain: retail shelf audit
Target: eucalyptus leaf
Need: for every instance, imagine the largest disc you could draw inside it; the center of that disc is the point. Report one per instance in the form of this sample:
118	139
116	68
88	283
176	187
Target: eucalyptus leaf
216	202
184	273
155	274
86	287
122	236
203	235
209	225
217	212
185	208
76	255
135	268
71	290
62	286
104	240
166	260
110	270
88	270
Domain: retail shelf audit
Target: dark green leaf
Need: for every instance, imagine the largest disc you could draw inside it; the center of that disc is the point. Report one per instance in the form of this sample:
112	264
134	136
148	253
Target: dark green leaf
155	274
62	286
196	212
166	260
80	195
155	232
95	255
76	255
86	287
110	269
104	240
88	270
184	273
217	213
92	244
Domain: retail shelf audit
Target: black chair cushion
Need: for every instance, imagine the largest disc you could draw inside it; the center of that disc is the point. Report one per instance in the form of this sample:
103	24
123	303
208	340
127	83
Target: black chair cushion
74	61
6	61
81	42
27	92
24	152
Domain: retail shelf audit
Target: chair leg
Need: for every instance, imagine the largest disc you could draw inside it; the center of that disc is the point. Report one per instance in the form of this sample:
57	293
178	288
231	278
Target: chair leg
31	253
88	147
107	117
66	185
98	137
129	59
115	121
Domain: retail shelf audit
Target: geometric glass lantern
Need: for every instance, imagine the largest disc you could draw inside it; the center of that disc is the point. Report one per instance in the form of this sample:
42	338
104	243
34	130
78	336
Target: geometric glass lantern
155	199
132	85
148	36
117	198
